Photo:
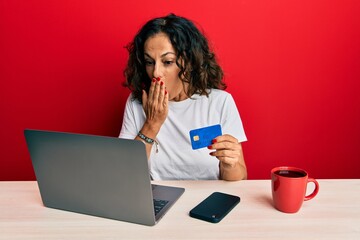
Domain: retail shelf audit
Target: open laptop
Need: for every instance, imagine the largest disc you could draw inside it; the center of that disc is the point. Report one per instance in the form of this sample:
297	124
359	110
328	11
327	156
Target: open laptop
101	176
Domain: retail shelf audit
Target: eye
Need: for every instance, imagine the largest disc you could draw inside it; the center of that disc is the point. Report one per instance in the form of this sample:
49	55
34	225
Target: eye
149	62
168	62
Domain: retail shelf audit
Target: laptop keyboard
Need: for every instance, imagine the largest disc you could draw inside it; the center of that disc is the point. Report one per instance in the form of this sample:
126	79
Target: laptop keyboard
158	205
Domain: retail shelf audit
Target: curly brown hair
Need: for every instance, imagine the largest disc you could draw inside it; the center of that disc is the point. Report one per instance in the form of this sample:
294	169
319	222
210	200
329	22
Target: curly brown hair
197	63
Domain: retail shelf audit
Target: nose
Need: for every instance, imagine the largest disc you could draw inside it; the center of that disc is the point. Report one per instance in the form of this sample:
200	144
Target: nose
157	71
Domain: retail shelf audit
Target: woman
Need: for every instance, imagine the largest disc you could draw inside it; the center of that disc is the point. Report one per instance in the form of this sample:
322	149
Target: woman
176	87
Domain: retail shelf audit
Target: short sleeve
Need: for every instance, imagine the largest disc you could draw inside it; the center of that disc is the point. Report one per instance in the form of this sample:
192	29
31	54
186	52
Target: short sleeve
128	129
231	121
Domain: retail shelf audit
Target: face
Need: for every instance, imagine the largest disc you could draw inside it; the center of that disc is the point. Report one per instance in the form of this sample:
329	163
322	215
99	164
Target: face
160	61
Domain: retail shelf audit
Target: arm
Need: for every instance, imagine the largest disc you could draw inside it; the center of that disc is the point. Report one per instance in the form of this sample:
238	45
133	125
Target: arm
228	147
155	106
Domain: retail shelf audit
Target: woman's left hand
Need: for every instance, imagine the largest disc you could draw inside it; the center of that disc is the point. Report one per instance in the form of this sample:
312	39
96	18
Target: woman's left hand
229	153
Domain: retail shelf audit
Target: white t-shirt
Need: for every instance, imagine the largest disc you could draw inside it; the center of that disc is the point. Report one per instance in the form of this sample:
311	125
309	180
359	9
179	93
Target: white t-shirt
175	158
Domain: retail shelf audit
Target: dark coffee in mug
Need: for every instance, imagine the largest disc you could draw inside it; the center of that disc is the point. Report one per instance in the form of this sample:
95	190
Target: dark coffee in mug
290	173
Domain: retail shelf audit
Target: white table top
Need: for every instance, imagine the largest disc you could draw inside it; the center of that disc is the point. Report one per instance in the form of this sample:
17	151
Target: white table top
333	214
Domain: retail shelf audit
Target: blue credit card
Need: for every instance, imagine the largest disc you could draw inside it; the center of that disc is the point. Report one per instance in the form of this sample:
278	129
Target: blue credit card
202	137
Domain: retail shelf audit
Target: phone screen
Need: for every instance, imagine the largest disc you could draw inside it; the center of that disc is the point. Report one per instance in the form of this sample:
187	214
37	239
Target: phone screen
215	207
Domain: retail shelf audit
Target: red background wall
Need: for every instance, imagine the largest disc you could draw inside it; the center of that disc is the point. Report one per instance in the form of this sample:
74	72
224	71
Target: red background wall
293	68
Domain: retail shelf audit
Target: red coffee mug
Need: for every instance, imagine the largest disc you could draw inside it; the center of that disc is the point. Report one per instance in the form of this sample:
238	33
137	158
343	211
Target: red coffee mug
289	186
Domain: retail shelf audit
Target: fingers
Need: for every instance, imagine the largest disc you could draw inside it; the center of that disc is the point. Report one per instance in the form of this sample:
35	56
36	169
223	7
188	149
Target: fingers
228	159
157	91
227	156
155	103
152	87
162	92
226	138
166	98
228	149
225	142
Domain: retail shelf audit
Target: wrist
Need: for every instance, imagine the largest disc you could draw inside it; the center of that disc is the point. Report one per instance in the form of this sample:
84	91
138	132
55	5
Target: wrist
150	129
232	173
145	138
228	166
148	140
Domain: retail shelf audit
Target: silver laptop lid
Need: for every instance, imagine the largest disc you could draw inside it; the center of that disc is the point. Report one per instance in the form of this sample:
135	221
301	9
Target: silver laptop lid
95	175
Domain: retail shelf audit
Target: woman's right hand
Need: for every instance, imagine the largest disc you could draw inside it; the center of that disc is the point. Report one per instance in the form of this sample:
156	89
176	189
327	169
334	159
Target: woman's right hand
155	104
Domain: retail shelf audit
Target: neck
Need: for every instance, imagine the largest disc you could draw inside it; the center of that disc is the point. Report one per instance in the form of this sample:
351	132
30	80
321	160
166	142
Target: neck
181	97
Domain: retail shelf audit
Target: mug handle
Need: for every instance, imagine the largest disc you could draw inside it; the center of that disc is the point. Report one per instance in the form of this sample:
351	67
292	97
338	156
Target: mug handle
316	190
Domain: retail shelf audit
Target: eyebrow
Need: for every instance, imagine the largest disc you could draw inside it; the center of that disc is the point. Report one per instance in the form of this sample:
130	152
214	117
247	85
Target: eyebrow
162	55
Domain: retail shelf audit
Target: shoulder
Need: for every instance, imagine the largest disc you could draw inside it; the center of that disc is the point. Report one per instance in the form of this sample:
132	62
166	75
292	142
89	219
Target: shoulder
219	95
217	100
132	105
131	101
222	99
214	96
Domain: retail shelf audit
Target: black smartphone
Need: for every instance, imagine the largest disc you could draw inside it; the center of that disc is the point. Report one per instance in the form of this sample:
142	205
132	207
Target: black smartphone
215	207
